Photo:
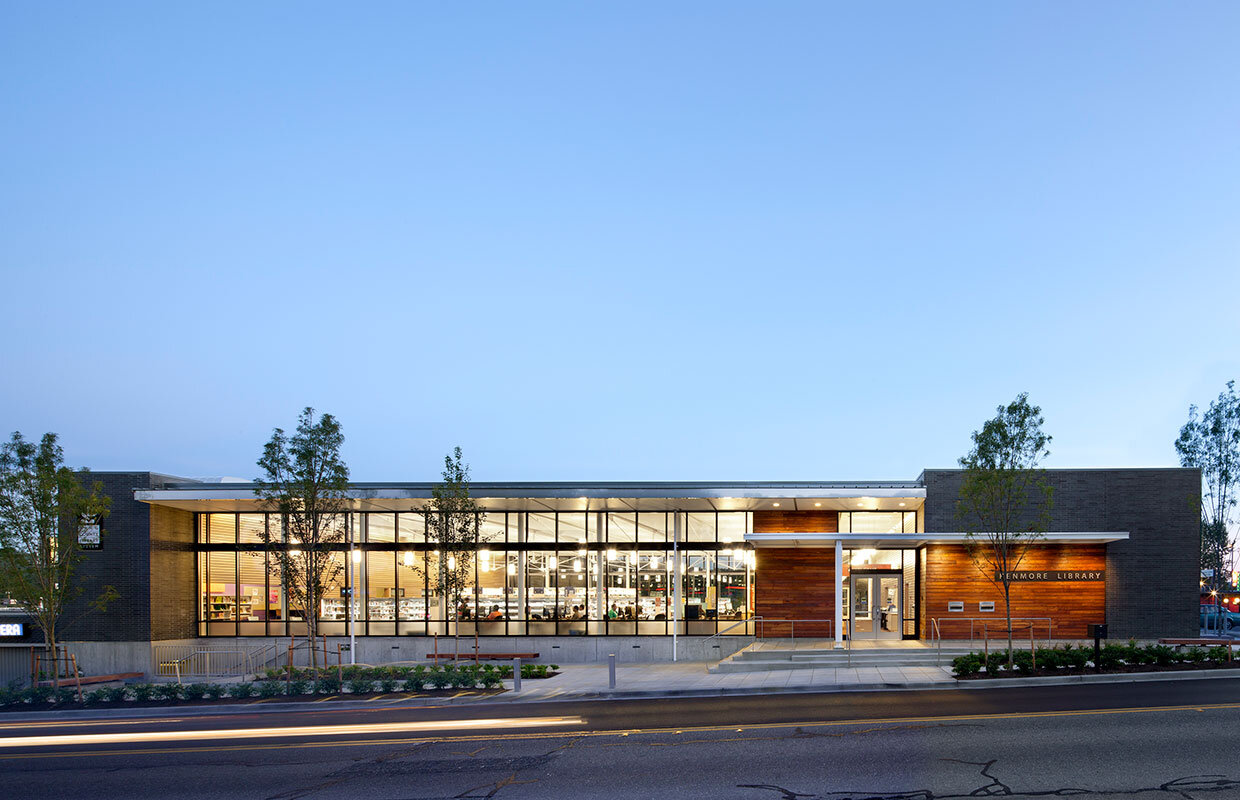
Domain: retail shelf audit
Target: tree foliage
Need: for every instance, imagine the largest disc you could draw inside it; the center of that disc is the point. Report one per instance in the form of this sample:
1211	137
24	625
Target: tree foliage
454	527
1005	501
1210	441
43	504
305	480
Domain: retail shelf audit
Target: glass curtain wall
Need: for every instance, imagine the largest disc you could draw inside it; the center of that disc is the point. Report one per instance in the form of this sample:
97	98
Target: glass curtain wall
536	573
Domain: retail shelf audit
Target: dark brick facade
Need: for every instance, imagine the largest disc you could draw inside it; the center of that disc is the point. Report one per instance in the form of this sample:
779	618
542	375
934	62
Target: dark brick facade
1152	578
147	556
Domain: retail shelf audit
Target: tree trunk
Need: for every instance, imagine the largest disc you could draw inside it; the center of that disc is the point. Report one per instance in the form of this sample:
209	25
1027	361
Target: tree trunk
1007	607
312	628
51	644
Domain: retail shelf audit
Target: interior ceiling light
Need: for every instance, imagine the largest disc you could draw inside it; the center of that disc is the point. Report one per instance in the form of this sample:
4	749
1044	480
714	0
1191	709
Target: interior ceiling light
776	505
817	505
901	505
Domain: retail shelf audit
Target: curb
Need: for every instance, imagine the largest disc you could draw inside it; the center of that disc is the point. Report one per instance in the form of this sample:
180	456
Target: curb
508	697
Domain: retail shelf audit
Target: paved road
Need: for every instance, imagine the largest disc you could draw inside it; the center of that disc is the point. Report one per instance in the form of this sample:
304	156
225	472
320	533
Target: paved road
1134	741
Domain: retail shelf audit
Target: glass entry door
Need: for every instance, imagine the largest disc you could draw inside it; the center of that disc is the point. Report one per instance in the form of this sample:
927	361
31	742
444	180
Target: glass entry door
875	606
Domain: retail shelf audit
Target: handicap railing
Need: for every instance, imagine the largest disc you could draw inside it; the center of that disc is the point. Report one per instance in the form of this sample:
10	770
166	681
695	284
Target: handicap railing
984	623
182	661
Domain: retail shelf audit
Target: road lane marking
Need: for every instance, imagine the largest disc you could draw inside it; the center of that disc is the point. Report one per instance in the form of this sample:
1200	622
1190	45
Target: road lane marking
273	733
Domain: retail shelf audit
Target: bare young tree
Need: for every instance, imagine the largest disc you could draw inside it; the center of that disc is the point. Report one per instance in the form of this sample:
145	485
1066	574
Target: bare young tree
1005	501
454	528
43	505
1211	443
307	483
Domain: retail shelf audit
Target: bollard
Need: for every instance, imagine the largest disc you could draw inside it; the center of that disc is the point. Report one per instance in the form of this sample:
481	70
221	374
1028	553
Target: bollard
516	674
611	671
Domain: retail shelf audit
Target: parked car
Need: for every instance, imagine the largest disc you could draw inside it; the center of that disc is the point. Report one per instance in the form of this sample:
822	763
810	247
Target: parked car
1230	619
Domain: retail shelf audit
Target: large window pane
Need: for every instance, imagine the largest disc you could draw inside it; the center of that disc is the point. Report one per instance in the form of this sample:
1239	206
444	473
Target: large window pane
411	528
251	527
700	591
700	527
877	521
652	527
731	527
223	529
252	604
733	587
540	528
572	528
381	591
621	528
653	585
221	602
491	531
621	591
492	591
381	528
411	591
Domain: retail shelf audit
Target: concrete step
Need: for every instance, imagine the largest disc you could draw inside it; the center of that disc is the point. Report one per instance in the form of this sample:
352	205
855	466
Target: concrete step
727	667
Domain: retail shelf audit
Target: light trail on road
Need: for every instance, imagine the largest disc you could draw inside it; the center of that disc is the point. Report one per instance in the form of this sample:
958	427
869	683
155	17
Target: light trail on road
426	726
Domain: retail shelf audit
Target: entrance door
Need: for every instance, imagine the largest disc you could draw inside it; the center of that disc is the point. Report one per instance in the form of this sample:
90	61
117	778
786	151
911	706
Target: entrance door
876	612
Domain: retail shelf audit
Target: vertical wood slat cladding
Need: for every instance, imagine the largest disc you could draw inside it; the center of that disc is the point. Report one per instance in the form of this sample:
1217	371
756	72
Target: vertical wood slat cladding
796	522
795	583
1072	605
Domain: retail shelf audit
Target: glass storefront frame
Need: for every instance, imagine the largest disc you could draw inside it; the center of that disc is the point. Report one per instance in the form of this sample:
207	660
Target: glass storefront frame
620	584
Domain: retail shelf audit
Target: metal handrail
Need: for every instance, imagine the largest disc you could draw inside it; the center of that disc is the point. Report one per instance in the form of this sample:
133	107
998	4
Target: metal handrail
938	632
792	633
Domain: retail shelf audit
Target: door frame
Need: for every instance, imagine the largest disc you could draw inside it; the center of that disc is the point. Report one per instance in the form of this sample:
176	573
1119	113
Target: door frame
875	615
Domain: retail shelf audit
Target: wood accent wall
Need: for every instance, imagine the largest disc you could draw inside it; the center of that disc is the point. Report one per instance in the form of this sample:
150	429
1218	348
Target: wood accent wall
796	522
950	574
795	583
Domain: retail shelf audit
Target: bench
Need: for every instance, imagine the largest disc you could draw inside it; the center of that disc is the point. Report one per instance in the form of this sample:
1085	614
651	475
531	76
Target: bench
481	656
1196	642
89	679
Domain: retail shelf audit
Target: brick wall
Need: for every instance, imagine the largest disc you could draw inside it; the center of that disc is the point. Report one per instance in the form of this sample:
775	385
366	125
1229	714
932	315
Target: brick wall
1152	579
173	596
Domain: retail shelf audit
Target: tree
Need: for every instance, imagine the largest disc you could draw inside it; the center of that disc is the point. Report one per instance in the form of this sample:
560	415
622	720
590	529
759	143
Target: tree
43	505
307	482
1005	501
454	528
1211	443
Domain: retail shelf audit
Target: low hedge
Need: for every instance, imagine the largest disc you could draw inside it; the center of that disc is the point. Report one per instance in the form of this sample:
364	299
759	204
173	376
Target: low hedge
1067	659
358	680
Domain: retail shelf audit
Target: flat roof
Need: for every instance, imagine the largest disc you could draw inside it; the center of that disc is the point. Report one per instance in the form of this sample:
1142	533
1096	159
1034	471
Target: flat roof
581	496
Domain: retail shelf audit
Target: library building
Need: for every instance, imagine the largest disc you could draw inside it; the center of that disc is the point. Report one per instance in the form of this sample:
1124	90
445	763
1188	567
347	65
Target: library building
676	570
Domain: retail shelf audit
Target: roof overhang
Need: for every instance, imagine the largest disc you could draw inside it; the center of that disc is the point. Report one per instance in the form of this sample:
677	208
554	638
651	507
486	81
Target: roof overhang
899	540
620	496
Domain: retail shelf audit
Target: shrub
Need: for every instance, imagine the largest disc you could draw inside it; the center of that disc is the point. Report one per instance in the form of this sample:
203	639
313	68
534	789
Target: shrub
96	697
491	680
142	692
299	686
966	665
1195	655
505	671
1075	659
243	690
1217	654
996	661
1022	660
328	684
1112	656
387	684
194	691
415	682
352	672
215	691
361	685
463	678
168	692
274	674
440	678
555	667
271	689
7	696
65	695
116	694
540	670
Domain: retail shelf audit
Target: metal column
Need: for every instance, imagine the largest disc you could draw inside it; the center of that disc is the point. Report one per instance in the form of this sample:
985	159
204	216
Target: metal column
839	593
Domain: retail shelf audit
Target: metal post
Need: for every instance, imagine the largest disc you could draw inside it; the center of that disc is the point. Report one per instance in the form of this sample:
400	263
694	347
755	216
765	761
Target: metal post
353	558
516	674
676	573
611	671
839	593
522	600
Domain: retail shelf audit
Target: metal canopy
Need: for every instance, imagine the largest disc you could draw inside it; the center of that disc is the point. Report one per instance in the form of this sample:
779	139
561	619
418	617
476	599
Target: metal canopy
616	496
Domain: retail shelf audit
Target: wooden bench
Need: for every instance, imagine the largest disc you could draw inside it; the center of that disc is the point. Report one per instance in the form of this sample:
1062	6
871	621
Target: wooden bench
1196	642
481	656
88	679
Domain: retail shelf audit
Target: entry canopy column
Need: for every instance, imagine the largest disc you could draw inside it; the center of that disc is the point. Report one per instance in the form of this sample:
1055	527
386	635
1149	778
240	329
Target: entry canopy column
839	593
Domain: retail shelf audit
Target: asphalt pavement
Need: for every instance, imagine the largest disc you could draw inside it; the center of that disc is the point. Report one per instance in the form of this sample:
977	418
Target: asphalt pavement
1145	740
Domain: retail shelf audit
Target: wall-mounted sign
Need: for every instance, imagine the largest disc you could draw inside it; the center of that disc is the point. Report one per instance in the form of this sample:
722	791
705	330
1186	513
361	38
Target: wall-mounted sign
12	628
89	534
986	607
1054	575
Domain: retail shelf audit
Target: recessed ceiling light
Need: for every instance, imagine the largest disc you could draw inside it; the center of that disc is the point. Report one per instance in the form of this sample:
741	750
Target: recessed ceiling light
817	505
776	505
860	505
901	505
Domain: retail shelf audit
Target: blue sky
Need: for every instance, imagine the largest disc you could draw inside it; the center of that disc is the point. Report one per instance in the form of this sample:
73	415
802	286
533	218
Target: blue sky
623	241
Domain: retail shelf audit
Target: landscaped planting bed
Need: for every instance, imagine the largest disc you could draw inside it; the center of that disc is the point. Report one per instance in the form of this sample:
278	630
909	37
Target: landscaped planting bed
1069	660
280	685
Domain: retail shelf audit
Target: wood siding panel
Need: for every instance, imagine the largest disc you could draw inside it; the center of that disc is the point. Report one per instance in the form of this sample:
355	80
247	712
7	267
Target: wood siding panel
796	522
1072	605
795	583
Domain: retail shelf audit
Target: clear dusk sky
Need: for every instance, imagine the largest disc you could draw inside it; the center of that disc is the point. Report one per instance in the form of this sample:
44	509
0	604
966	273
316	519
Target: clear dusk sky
638	241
